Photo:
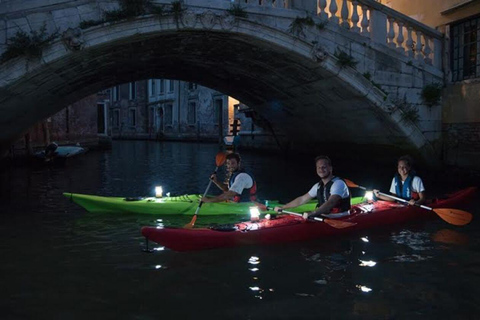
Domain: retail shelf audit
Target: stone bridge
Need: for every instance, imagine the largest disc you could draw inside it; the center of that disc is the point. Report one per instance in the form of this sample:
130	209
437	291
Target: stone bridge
328	76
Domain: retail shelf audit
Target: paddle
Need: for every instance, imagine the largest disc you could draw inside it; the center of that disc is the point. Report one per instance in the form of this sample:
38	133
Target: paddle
331	222
452	216
219	160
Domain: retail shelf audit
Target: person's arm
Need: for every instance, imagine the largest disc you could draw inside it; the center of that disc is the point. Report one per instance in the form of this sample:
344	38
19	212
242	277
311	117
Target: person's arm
420	201
325	207
295	202
227	195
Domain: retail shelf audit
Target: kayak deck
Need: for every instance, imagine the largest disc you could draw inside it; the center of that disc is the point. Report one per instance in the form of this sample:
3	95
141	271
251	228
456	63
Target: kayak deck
174	205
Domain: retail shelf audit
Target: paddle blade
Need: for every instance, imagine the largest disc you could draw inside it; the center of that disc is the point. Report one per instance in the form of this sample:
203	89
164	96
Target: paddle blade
454	216
220	158
339	224
191	223
350	183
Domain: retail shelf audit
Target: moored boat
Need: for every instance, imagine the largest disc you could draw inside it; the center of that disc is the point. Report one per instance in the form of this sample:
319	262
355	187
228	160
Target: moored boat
290	228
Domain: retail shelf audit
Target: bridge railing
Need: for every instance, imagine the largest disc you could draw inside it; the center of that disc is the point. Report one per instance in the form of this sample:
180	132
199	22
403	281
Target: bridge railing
373	20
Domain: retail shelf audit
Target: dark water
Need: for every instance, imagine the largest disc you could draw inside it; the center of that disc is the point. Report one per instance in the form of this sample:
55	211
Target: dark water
60	262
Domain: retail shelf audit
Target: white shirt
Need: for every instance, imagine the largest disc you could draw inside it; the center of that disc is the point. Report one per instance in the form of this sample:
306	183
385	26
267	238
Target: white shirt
242	181
417	185
338	187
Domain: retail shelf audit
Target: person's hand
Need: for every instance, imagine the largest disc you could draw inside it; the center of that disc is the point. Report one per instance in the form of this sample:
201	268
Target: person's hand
411	202
306	215
278	209
376	193
213	177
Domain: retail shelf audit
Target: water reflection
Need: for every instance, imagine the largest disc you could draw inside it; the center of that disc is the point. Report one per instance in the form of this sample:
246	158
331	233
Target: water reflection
53	248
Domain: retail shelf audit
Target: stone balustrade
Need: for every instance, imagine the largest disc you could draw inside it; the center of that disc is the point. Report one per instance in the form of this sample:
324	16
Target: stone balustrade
371	19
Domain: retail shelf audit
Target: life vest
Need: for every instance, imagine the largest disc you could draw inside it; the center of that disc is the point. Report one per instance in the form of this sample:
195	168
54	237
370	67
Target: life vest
405	191
323	193
248	195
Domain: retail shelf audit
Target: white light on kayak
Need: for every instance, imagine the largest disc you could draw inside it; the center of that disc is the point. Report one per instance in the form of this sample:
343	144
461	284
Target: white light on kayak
364	239
254	213
254	269
369	195
363	288
369	263
255	288
254	260
158	266
158	192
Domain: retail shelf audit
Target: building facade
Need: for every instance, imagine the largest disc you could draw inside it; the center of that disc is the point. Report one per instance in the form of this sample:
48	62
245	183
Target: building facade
459	21
164	109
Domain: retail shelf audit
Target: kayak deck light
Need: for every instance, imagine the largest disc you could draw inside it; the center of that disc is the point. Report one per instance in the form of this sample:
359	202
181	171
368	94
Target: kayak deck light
254	213
158	192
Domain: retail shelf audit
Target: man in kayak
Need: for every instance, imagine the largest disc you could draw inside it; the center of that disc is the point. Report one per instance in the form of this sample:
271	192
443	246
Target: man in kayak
332	193
405	184
241	186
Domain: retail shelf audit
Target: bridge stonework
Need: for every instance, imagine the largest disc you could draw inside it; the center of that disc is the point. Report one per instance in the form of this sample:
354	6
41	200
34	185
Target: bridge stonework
293	75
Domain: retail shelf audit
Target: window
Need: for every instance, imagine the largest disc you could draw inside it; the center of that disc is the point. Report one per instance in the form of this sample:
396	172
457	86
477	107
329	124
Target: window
169	114
162	86
465	47
152	87
132	114
192	112
116	93
192	86
132	92
170	85
116	118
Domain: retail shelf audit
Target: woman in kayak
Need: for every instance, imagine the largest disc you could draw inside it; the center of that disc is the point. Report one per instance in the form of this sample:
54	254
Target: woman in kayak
332	193
241	186
405	184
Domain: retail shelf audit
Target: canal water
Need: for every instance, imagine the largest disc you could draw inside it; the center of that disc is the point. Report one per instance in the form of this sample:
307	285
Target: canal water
61	262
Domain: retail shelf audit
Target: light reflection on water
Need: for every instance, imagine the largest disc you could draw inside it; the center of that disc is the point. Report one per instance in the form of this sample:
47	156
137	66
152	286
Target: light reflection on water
60	262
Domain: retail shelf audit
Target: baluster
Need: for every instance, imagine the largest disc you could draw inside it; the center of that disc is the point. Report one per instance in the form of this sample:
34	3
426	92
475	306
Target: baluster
355	17
333	10
400	37
344	14
322	4
418	46
427	50
409	43
365	21
391	33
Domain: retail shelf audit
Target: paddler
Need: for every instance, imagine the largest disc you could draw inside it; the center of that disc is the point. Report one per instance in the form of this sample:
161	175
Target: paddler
405	184
241	185
331	192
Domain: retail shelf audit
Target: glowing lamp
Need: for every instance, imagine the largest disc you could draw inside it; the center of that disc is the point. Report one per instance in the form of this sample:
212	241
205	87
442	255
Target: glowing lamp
369	195
254	213
158	192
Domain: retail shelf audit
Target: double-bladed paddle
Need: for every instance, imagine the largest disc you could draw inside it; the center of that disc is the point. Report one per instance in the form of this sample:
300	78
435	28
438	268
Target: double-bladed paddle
453	216
331	222
219	160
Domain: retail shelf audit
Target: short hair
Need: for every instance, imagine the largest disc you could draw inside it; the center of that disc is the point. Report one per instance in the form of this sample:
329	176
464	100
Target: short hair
233	155
408	160
324	158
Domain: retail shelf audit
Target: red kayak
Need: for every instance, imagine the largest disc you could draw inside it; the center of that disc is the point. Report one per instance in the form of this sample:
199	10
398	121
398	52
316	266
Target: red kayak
289	228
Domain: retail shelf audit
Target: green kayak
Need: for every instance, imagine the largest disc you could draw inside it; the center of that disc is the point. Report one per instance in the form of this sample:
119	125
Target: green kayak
174	205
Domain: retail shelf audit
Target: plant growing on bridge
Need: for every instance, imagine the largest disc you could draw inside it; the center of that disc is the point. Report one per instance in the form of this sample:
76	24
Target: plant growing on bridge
31	45
237	10
128	9
409	112
432	93
297	26
344	59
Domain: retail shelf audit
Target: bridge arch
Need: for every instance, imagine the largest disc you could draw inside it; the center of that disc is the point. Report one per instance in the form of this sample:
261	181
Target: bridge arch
293	81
